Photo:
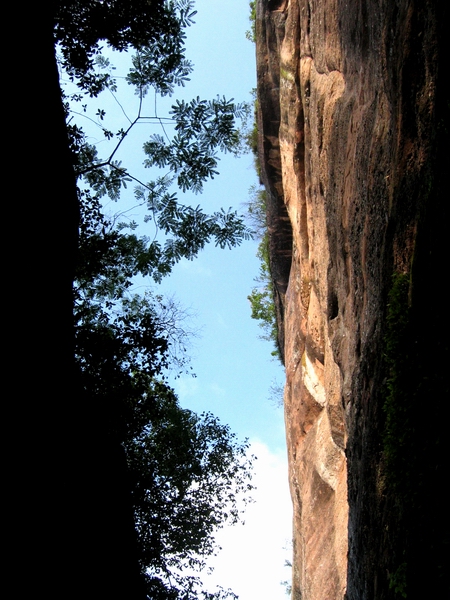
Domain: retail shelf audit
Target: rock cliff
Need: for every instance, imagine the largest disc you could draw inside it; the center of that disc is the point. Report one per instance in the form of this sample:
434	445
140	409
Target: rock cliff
352	144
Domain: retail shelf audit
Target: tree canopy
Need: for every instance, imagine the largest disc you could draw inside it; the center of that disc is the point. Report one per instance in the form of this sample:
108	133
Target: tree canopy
188	154
185	472
80	27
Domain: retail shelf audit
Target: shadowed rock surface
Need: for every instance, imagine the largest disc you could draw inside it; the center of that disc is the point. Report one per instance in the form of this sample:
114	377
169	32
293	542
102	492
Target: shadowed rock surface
353	126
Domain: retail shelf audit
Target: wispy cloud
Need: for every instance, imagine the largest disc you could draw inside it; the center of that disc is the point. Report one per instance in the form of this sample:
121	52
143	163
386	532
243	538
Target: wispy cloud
194	268
217	390
186	387
221	321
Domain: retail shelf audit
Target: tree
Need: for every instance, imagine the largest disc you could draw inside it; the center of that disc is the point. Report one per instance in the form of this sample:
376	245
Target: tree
80	26
262	299
189	155
69	483
188	473
181	474
262	296
251	33
185	472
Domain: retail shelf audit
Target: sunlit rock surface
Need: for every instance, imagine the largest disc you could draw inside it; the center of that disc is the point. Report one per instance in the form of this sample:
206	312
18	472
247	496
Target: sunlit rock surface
347	111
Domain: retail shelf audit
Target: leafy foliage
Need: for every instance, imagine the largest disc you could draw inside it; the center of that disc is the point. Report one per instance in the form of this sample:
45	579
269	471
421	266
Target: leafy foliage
262	296
202	128
189	470
161	66
186	472
80	26
261	299
251	33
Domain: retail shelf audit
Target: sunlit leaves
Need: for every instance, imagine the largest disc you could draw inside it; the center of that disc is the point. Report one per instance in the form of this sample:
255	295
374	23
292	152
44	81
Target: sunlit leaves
202	128
155	68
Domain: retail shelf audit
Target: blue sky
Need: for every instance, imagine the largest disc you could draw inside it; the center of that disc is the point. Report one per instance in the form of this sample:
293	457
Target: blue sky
234	368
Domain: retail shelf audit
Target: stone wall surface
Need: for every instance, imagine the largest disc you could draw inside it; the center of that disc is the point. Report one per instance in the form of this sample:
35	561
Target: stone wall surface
348	131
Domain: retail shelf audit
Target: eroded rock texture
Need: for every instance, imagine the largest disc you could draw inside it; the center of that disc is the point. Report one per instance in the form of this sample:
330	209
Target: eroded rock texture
352	149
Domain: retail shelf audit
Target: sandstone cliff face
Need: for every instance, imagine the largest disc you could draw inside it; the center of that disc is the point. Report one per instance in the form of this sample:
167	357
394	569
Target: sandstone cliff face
349	115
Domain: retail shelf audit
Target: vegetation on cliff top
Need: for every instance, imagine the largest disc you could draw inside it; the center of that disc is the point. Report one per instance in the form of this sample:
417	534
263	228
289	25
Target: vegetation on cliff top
251	33
262	295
